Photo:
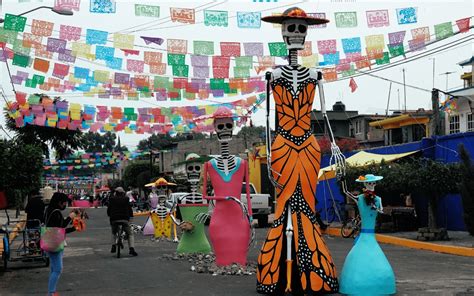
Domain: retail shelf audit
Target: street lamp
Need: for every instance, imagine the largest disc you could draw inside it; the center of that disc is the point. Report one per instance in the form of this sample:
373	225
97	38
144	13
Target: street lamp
55	10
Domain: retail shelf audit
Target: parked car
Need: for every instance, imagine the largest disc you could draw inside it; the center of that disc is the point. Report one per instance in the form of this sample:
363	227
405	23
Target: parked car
261	204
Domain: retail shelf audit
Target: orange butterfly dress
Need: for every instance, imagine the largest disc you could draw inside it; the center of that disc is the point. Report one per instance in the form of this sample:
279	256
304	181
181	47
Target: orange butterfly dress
295	164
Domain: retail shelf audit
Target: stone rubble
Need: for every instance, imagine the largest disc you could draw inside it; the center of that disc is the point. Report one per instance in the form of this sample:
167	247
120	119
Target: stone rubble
205	263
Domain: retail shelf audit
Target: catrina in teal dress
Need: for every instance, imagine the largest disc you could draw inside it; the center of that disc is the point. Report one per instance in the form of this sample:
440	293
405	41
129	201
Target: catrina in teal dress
366	270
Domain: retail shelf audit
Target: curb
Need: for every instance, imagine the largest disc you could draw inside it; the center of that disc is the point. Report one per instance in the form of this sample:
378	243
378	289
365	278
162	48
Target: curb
413	244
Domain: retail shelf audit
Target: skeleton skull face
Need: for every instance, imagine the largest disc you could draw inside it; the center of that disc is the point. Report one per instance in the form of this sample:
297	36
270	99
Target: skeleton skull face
224	127
370	186
193	170
294	33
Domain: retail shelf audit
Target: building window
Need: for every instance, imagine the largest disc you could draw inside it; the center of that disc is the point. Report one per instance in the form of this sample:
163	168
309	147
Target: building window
470	122
454	124
358	127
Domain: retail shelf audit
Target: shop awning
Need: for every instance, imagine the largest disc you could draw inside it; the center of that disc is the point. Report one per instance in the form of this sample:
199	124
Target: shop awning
360	159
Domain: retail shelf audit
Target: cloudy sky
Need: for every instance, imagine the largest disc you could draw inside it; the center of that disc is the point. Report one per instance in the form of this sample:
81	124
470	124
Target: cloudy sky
371	95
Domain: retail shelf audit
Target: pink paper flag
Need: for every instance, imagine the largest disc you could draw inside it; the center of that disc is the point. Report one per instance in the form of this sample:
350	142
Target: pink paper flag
463	24
69	33
230	49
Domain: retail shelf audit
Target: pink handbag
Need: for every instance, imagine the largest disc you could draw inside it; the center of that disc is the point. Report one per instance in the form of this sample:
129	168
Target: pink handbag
52	238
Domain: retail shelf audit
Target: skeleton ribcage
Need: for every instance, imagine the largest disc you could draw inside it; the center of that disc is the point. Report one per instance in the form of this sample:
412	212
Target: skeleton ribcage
230	163
161	212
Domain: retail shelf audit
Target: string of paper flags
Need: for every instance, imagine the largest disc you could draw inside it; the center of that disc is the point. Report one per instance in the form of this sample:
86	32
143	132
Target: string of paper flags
44	111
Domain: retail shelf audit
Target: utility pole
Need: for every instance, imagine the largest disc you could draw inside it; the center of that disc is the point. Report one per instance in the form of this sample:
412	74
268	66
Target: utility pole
404	90
434	59
388	100
435	126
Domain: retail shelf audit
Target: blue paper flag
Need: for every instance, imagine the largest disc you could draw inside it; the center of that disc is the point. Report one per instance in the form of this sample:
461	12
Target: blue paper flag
331	58
114	63
96	36
104	52
81	72
350	45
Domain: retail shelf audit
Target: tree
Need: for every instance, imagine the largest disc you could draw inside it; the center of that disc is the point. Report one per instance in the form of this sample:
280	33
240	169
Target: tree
467	189
134	170
63	141
420	176
164	141
22	167
95	142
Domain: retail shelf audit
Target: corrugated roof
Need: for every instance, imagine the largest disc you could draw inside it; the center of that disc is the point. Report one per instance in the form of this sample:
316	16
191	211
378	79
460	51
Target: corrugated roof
466	62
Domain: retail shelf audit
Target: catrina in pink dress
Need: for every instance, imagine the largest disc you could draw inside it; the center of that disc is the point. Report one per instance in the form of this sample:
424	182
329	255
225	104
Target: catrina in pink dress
229	230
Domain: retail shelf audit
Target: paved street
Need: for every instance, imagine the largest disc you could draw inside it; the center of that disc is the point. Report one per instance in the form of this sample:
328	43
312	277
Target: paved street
90	269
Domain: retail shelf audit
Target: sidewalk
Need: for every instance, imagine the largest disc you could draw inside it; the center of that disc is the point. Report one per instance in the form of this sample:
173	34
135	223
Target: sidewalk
460	243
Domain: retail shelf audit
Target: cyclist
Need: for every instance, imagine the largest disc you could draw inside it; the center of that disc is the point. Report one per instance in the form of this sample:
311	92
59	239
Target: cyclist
120	211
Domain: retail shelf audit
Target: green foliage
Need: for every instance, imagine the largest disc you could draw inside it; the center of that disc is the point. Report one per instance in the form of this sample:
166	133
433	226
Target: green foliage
467	189
165	141
63	141
132	175
420	176
95	142
252	132
22	166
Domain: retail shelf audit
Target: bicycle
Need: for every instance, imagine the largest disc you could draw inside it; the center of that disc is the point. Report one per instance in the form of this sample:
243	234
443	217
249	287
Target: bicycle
120	236
351	227
335	211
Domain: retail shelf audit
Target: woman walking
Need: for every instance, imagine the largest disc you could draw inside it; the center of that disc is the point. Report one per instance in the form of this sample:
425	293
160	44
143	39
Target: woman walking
54	218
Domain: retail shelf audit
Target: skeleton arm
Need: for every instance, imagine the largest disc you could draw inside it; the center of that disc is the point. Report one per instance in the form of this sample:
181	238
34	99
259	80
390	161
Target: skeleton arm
268	142
338	160
202	217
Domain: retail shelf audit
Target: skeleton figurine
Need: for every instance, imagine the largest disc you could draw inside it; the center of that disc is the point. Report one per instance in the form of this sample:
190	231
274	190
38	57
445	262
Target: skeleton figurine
366	270
193	238
229	229
293	163
160	221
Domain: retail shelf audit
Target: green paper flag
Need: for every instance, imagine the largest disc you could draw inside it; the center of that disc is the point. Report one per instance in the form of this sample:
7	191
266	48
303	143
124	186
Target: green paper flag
14	22
180	70
443	30
384	60
241	72
217	18
38	79
30	83
19	48
278	49
33	99
161	82
8	36
245	61
189	96
147	10
396	50
217	83
21	60
176	59
203	47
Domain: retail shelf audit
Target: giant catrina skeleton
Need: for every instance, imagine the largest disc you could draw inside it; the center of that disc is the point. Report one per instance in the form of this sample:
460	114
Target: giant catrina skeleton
229	229
294	258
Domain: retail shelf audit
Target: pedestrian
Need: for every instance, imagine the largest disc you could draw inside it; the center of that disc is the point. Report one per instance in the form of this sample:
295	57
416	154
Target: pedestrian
54	218
120	211
34	210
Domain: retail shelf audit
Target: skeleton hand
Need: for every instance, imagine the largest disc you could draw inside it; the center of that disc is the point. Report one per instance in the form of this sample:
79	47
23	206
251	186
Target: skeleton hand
186	226
202	217
241	204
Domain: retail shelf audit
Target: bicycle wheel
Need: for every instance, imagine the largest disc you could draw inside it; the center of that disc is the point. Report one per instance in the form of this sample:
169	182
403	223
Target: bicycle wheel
348	228
330	215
